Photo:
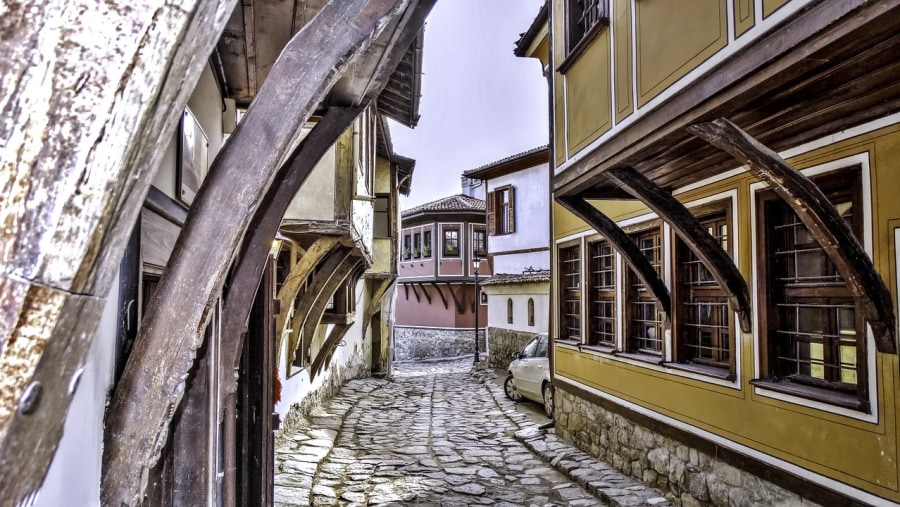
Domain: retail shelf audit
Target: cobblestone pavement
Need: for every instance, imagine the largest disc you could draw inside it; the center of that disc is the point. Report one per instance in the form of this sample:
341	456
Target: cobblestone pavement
437	435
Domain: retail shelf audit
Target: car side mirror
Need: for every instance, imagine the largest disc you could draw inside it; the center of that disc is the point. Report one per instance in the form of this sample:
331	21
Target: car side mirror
517	355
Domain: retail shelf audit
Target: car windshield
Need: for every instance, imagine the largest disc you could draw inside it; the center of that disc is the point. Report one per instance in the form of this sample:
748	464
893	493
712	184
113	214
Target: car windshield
531	348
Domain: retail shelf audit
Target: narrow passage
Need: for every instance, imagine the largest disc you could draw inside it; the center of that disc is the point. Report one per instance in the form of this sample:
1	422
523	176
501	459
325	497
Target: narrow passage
432	436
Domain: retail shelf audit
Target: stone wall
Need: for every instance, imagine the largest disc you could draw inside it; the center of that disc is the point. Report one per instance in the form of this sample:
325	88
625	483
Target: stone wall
414	343
503	343
691	477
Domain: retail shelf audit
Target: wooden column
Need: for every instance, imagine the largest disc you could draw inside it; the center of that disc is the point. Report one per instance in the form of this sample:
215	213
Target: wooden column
694	235
153	381
820	217
625	246
82	124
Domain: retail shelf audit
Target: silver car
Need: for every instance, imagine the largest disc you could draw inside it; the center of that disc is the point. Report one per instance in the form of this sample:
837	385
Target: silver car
529	375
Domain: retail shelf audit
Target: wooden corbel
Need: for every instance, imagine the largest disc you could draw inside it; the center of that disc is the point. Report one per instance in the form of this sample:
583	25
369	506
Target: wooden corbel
443	298
694	235
820	217
625	246
459	304
415	292
335	281
425	292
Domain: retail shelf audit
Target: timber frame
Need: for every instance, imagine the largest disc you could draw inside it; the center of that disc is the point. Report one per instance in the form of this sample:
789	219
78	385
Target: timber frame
620	240
820	217
694	235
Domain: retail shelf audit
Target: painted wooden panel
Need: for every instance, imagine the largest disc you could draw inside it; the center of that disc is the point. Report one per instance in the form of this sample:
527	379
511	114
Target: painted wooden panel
673	38
621	24
559	120
588	95
744	16
770	6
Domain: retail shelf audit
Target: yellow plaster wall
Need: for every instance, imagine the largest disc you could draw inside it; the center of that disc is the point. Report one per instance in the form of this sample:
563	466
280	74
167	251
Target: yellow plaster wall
744	16
859	453
588	95
673	38
770	6
382	176
621	22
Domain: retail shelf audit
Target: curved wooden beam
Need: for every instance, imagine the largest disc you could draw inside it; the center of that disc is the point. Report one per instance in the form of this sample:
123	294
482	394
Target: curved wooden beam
820	217
694	235
321	299
438	289
334	337
152	384
459	304
425	292
625	246
301	311
415	292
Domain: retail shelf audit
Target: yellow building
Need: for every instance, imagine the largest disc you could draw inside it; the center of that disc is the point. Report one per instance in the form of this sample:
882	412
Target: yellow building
725	236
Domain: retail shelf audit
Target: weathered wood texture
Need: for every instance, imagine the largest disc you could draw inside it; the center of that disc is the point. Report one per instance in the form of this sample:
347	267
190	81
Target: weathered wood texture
820	216
625	246
85	103
321	298
153	380
694	235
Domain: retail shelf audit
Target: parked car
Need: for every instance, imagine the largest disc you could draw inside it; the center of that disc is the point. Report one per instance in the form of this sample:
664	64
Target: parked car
529	374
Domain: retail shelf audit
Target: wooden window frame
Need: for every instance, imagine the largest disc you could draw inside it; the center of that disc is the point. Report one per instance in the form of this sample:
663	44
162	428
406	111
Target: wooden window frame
501	213
570	293
689	293
637	294
482	252
417	245
777	296
583	24
601	291
381	216
455	252
426	244
407	246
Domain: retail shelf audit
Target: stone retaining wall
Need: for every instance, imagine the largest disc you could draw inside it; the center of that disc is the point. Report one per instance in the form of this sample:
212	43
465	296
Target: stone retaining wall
415	343
692	477
503	343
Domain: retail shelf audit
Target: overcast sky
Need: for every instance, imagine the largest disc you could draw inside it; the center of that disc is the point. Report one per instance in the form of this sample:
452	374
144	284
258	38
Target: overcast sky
480	103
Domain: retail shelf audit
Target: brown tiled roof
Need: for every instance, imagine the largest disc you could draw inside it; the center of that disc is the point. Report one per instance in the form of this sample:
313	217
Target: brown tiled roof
518	278
458	202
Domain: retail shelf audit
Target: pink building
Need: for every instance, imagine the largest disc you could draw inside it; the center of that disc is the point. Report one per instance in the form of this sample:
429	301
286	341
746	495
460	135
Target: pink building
435	310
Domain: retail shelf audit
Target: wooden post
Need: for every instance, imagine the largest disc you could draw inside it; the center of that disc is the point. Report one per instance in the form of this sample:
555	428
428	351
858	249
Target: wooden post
625	246
82	123
820	217
694	235
153	380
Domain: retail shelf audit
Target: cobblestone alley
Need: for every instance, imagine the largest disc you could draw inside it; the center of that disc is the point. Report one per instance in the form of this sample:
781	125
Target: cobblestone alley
436	435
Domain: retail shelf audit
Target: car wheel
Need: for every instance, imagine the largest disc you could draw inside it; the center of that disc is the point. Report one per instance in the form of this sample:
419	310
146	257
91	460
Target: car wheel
547	391
509	389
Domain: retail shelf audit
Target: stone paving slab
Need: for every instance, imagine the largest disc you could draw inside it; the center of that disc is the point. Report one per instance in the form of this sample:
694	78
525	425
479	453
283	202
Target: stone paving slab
439	434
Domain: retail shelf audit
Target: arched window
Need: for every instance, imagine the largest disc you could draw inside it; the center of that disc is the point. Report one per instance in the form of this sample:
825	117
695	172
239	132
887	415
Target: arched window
530	311
509	313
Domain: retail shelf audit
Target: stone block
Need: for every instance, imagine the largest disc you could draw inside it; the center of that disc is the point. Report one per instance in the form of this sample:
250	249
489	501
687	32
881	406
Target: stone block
688	501
718	490
727	473
659	460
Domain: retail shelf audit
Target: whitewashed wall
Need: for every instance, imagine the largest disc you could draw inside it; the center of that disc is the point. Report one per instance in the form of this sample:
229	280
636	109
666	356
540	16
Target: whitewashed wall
519	293
532	208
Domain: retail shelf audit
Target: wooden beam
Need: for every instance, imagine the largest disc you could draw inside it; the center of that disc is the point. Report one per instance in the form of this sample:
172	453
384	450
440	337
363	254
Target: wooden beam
694	235
625	246
425	292
141	408
314	317
416	292
443	298
375	300
820	217
459	304
334	337
82	126
301	312
251	261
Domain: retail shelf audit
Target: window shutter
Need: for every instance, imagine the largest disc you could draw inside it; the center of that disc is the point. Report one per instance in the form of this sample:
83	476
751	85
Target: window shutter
512	209
491	213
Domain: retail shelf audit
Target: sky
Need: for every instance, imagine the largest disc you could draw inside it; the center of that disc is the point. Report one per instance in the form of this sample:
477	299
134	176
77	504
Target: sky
480	103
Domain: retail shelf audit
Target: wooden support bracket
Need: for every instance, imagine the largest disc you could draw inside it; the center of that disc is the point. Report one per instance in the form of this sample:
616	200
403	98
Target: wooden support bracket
820	217
415	292
459	304
694	235
443	298
335	281
625	246
334	338
425	292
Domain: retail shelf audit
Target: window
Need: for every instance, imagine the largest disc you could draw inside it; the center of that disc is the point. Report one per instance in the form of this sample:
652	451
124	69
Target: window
509	311
501	211
583	16
645	324
381	221
407	246
602	324
451	242
417	245
814	337
479	243
704	323
570	290
531	312
426	245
